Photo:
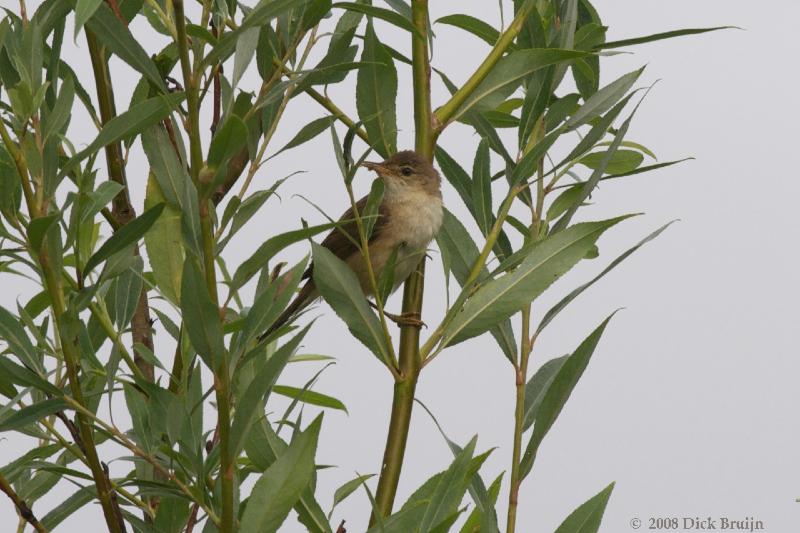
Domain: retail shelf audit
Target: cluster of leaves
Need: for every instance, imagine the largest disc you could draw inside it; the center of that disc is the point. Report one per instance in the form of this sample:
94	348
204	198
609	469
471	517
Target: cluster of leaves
69	228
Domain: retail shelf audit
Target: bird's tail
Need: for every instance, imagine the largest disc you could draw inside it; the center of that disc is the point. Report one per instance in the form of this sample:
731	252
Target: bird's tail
303	299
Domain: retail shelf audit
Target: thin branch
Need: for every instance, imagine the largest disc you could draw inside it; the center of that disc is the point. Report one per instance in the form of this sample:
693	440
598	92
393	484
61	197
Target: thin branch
22	508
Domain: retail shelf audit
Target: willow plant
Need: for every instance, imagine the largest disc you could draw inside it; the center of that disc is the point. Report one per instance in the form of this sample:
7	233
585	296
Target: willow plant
109	275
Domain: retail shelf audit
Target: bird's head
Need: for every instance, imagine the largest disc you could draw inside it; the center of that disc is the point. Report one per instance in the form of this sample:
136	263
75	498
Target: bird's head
407	170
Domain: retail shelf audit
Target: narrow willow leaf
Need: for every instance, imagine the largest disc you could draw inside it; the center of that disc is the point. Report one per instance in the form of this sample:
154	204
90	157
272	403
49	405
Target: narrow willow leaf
21	375
245	50
200	315
12	332
68	506
386	276
557	394
476	521
509	73
456	175
340	288
308	132
387	15
127	124
475	26
164	245
376	94
587	517
58	117
347	489
603	100
32	413
99	198
482	189
126	290
125	236
253	264
500	298
461	251
227	142
556	309
38	228
563	201
117	38
84	9
537	386
251	405
165	165
403	521
371	209
283	483
310	397
621	162
660	36
591	183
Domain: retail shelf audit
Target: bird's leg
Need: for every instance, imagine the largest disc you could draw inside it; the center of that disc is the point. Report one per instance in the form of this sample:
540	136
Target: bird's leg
405	319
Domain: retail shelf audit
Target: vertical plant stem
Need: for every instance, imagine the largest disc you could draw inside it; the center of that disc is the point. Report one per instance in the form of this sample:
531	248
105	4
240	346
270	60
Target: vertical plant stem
122	209
408	353
222	385
52	282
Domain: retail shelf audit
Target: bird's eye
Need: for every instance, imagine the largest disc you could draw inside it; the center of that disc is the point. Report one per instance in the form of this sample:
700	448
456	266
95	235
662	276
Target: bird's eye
406	171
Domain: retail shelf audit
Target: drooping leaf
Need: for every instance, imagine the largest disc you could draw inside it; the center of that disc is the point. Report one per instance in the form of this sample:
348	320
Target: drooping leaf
125	236
308	132
482	189
283	483
167	168
32	413
245	50
68	506
475	26
309	397
387	15
58	117
340	288
557	394
12	332
200	315
660	36
622	161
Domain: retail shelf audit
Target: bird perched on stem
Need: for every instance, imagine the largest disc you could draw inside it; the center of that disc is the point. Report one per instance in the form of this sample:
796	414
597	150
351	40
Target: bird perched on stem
409	217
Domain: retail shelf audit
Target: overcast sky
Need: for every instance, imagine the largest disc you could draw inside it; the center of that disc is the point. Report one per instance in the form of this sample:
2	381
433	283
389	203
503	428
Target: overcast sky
690	402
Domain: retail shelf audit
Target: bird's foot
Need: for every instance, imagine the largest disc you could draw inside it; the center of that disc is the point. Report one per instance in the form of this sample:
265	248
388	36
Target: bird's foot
406	319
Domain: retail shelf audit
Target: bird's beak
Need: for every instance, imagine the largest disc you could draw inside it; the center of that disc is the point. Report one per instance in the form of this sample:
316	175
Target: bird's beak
377	167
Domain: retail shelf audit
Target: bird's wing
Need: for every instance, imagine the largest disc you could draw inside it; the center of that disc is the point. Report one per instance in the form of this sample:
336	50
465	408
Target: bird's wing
342	239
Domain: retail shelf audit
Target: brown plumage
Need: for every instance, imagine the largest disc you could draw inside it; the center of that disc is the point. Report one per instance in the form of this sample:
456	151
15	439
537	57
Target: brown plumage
408	218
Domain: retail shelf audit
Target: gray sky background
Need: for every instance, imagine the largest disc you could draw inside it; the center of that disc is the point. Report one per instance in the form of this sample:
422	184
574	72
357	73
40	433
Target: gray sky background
690	401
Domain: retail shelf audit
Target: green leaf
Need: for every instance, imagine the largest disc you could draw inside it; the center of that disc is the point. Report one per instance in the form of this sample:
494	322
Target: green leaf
32	413
476	27
99	198
556	309
61	112
12	332
261	257
38	228
461	251
310	397
170	173
164	244
587	517
67	507
386	277
537	386
347	489
557	394
404	521
660	36
308	132
245	50
21	375
603	100
84	9
200	315
500	298
339	286
371	209
482	189
563	202
251	405
227	142
622	161
376	94
389	16
125	236
125	295
130	123
509	73
456	175
476	521
117	39
283	483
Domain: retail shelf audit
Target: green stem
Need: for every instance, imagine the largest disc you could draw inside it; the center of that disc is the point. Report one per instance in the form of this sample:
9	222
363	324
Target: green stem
222	385
447	112
410	362
52	283
521	372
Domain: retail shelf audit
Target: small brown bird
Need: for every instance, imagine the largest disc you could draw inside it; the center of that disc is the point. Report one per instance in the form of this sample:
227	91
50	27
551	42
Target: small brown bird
408	219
